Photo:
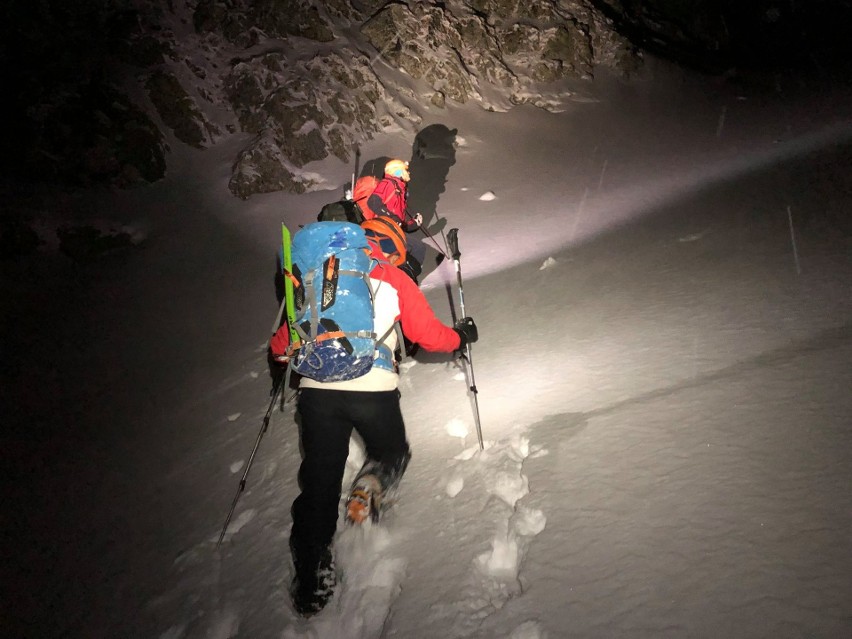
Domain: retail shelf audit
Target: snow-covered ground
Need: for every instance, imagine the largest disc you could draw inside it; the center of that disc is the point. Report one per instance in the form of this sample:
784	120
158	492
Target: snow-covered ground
661	279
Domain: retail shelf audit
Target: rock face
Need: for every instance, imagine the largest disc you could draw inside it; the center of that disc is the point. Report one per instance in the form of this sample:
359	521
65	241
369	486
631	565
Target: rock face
303	80
311	85
302	111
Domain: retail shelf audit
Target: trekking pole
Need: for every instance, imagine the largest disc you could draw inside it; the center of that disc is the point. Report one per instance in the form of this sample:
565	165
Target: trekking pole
453	242
428	236
281	386
355	175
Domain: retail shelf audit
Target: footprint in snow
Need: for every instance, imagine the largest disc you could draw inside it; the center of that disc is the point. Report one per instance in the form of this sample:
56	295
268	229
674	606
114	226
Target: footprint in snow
496	577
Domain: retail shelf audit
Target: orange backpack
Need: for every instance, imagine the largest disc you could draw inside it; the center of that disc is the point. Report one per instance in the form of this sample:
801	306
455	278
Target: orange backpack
364	187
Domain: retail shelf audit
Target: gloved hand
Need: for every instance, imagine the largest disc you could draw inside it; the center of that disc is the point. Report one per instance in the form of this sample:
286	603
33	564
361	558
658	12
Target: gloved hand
467	331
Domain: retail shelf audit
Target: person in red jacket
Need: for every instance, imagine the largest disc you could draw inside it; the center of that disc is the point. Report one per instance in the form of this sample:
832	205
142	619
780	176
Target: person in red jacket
370	405
390	197
390	200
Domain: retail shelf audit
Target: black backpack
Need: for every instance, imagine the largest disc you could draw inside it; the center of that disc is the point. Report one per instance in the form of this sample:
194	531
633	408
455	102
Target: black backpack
341	211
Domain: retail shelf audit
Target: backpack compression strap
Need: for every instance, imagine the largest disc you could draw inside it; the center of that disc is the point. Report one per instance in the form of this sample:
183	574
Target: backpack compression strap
384	359
314	316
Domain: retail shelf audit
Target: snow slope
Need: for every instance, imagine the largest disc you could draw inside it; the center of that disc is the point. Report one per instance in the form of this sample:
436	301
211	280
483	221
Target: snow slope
660	276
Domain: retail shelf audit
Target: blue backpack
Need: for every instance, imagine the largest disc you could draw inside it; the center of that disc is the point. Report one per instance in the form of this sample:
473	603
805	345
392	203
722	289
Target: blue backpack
334	304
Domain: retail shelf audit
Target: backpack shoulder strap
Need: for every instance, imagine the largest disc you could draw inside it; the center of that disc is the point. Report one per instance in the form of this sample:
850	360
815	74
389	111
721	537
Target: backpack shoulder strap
396	326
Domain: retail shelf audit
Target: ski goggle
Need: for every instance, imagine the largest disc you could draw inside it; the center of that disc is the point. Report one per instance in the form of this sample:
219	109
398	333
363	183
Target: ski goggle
387	245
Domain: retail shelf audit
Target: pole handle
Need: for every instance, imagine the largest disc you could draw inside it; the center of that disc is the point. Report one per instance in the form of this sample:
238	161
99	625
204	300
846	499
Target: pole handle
453	243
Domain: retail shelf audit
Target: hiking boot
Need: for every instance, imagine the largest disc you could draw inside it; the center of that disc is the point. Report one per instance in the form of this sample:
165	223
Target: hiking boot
311	591
364	501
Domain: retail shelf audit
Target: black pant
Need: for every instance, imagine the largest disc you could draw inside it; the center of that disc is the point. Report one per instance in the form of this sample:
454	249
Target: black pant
327	420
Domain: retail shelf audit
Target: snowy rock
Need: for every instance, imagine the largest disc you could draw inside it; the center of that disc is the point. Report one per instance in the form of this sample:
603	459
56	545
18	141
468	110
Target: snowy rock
179	111
488	196
239	20
305	110
262	167
302	75
209	68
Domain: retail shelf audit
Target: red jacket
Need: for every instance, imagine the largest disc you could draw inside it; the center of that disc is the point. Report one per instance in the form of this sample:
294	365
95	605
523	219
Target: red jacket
397	297
390	198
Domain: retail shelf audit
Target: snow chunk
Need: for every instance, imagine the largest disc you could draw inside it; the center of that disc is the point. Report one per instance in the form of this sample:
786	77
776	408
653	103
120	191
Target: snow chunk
528	630
502	562
538	451
237	466
459	377
454	486
457	428
521	445
510	487
234	417
488	196
530	521
548	263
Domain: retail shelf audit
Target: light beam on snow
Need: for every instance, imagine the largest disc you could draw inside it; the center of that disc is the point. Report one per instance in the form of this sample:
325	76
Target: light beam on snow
534	236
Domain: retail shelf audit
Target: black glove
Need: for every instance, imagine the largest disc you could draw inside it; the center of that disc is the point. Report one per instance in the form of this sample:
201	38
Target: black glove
466	329
411	267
